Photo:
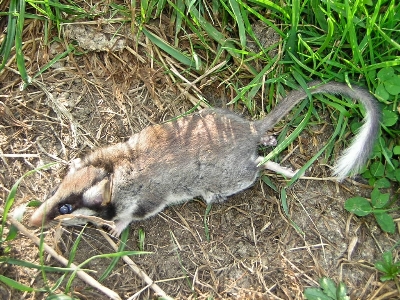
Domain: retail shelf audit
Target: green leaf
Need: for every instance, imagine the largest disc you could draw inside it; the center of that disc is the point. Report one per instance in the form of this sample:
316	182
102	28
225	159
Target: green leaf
389	117
341	292
390	175
296	132
396	150
205	222
381	92
386	266
385	73
34	203
367	174
328	286
358	206
18	214
315	294
378	199
165	298
377	169
382	183
397	174
392	85
377	149
18	44
385	221
106	255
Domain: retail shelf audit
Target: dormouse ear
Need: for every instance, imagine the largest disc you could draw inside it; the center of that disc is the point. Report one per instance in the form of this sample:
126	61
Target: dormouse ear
99	194
76	164
107	192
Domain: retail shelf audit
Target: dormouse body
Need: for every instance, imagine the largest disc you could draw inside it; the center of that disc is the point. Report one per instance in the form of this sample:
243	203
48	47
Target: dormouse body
212	154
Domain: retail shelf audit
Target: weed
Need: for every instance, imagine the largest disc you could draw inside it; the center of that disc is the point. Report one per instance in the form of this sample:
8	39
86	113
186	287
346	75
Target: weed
378	206
327	291
384	171
389	268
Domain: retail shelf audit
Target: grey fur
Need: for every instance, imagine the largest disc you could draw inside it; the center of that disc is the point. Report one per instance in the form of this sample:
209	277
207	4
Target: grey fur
212	154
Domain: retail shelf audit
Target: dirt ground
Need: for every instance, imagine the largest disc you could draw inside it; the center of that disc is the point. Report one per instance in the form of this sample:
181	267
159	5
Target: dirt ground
254	252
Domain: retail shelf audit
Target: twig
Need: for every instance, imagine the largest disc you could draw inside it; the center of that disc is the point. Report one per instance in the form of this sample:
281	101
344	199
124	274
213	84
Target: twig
136	269
81	274
19	155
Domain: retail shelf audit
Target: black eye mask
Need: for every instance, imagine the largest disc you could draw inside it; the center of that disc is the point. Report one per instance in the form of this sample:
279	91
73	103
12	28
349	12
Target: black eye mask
66	207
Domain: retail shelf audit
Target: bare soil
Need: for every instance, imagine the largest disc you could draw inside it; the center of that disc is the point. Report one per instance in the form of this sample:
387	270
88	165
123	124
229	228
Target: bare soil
253	252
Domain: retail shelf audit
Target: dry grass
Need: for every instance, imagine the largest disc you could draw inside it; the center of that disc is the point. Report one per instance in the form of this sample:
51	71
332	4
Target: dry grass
105	95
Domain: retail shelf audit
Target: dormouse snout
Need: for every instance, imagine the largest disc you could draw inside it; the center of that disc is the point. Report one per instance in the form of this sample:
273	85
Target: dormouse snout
87	190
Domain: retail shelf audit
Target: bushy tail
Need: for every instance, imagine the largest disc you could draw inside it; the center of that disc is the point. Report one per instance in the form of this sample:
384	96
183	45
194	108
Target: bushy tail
356	155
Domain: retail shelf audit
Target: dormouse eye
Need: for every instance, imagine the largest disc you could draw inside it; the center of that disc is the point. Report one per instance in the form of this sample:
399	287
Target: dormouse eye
65	209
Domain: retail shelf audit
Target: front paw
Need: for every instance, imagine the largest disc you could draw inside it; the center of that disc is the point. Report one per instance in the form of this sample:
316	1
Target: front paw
118	227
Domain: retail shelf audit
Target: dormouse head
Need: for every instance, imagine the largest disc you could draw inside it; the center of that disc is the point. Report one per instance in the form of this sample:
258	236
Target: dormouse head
84	191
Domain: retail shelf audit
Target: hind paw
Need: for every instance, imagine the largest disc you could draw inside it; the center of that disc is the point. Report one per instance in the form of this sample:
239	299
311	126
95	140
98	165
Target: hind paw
268	140
273	166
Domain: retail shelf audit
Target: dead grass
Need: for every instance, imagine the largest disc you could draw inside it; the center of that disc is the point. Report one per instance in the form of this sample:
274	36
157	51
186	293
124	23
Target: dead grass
105	95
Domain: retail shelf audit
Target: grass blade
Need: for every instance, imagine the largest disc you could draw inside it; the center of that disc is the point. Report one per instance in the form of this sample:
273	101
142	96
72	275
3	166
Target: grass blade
107	255
206	229
351	29
9	39
26	264
179	56
114	261
54	60
319	14
239	21
18	286
290	47
18	44
255	83
388	39
283	145
75	246
273	6
214	33
178	12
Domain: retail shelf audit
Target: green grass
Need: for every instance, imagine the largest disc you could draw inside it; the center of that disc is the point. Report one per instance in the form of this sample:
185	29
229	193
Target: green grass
347	41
